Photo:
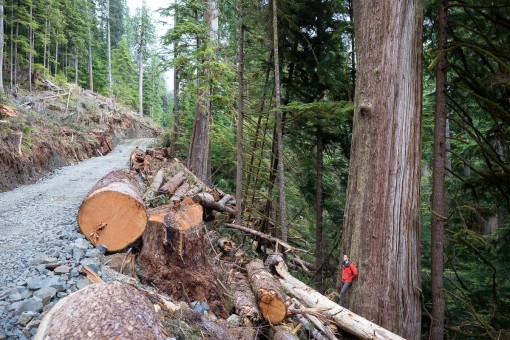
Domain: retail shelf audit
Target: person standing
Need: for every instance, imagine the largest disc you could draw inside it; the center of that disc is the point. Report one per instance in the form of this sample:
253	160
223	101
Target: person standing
349	273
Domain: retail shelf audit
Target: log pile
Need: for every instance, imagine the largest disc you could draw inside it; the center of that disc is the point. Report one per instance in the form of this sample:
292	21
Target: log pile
187	261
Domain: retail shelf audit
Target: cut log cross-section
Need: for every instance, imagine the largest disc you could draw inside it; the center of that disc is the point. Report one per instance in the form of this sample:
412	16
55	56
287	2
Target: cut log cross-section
269	300
113	213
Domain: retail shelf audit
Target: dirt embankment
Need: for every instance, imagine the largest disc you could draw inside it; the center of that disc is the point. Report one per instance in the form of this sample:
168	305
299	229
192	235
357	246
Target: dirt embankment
41	131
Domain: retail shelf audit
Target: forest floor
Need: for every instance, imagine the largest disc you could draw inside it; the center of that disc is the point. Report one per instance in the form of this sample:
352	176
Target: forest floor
59	128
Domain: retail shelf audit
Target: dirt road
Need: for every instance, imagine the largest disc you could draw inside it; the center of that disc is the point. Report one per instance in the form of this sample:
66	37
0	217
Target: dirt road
34	218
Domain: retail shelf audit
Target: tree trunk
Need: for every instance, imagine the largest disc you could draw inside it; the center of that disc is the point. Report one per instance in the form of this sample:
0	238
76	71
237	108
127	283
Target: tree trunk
110	310
90	70
113	212
267	288
16	55
381	229
244	300
345	319
109	48
239	170
56	54
172	185
439	204
319	233
76	63
140	75
31	49
12	46
199	159
2	40
279	128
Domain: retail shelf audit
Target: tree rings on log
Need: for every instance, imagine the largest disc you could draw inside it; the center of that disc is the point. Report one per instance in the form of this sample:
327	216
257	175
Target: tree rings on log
113	213
273	309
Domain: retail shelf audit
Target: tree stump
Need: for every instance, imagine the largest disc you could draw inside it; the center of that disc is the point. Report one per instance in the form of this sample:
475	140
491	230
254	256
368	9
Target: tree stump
173	255
113	212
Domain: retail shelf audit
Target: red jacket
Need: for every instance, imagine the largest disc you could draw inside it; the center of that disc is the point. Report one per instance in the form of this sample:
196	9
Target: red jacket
349	271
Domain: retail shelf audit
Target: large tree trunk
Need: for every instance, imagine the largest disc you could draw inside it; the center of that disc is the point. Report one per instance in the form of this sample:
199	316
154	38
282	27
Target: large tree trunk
113	213
345	319
382	216
140	76
110	310
31	50
439	203
279	128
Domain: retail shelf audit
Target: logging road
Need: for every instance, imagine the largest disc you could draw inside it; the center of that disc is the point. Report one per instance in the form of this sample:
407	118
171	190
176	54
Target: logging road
35	218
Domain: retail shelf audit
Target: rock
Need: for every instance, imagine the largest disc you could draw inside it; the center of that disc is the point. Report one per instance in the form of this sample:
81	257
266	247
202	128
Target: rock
82	244
45	294
234	320
78	254
33	324
82	283
63	269
33	304
61	294
102	249
25	318
92	263
48	259
55	282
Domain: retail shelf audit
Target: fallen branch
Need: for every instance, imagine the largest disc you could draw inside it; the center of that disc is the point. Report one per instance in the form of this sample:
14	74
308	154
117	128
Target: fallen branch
265	236
207	202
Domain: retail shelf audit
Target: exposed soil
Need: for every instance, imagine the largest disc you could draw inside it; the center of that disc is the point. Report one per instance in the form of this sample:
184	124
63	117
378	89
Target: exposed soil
60	130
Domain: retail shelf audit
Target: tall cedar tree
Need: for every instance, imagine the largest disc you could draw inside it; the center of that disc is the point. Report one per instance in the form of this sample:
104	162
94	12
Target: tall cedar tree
381	229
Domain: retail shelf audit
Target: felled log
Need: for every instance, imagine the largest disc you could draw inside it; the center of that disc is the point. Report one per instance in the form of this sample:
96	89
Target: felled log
217	330
244	300
14	139
344	318
113	212
267	288
48	83
172	256
110	310
102	139
172	185
152	190
317	328
209	203
179	193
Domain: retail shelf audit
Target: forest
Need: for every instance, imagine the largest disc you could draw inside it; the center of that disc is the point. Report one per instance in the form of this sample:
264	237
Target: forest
375	129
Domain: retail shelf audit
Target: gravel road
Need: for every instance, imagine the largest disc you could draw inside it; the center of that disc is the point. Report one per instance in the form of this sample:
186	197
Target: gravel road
37	226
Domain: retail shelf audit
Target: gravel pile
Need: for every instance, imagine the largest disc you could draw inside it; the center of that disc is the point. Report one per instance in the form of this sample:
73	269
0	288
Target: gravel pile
41	248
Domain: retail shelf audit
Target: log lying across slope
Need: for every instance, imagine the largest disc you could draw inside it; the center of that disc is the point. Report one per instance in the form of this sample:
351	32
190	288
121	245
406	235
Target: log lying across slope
344	318
113	213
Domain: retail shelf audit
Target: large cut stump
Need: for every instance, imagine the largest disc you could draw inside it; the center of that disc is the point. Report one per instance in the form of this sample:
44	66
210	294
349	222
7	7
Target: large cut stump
110	310
113	213
268	292
173	255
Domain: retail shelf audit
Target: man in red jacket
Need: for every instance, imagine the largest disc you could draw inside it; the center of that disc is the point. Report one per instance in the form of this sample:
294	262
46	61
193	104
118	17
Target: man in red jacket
349	273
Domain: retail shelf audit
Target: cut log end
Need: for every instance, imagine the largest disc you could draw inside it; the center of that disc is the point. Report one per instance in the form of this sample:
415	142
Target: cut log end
273	309
113	215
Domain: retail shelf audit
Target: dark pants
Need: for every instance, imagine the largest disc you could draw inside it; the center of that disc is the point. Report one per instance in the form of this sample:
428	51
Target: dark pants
343	292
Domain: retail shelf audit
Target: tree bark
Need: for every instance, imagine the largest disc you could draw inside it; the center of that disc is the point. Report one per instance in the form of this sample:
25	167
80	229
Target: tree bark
31	49
110	310
345	319
439	204
113	212
240	109
319	233
109	48
172	185
244	300
279	128
2	43
381	229
211	204
152	191
267	288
